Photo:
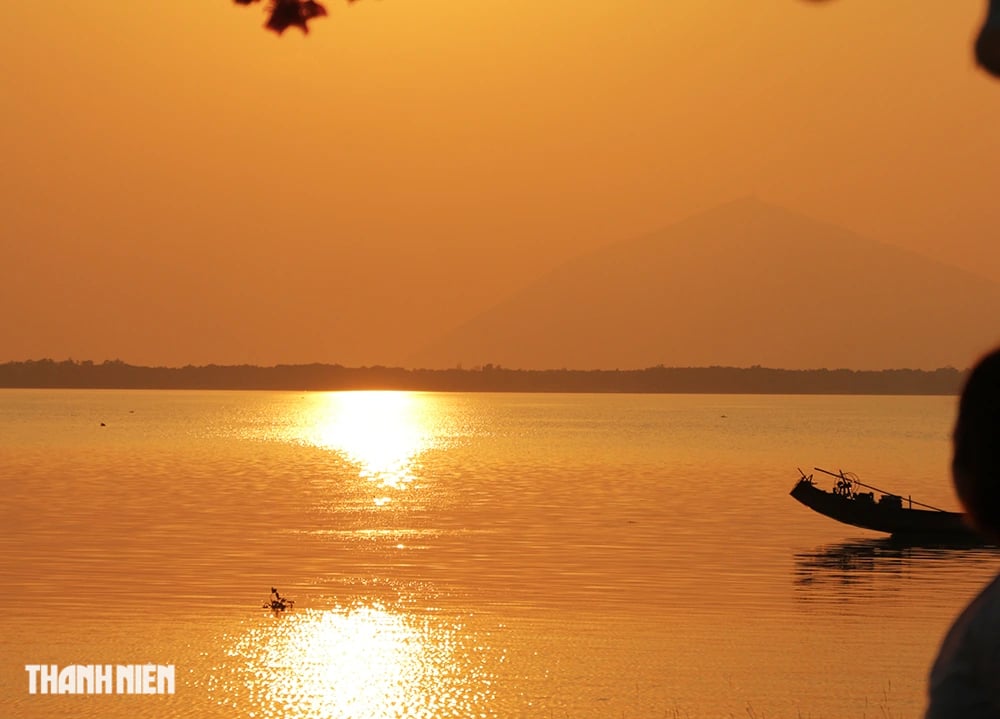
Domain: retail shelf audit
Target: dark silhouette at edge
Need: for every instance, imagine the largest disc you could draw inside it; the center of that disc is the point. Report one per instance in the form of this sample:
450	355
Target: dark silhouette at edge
962	681
115	374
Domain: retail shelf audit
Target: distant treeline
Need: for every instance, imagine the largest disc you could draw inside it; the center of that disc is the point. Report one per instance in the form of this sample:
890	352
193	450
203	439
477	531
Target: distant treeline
116	374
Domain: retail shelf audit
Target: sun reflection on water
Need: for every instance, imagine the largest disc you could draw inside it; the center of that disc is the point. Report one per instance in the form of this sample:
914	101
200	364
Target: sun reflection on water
362	661
382	432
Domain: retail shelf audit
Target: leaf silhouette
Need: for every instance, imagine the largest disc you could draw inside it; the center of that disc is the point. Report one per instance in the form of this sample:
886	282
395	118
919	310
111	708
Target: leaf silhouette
293	13
290	13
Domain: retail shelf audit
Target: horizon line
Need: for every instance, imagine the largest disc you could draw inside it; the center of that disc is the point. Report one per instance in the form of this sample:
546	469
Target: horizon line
485	367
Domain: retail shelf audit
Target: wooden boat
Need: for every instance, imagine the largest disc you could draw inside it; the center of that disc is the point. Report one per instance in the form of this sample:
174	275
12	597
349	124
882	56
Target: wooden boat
891	513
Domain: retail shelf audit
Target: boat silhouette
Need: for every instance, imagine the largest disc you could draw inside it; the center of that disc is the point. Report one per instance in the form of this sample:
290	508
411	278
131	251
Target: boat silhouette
891	513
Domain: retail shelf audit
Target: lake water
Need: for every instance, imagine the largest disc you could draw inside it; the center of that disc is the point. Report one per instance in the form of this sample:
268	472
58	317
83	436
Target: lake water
470	555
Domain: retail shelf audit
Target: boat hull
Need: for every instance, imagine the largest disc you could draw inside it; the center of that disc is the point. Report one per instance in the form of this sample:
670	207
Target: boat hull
863	511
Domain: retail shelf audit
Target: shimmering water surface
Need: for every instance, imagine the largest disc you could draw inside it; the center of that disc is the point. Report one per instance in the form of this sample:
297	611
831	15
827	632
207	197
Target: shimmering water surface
470	555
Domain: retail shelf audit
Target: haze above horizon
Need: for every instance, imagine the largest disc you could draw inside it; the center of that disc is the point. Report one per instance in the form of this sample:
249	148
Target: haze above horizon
182	188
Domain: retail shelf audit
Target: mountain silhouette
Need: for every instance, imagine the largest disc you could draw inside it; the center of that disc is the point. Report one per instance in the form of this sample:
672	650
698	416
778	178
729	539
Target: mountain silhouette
744	284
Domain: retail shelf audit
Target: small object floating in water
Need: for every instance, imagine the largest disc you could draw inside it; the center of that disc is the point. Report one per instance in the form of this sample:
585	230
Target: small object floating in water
278	603
889	513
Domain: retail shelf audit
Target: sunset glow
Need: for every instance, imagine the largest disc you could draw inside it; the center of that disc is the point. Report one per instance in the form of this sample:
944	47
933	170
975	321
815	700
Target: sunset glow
182	186
383	433
361	661
453	359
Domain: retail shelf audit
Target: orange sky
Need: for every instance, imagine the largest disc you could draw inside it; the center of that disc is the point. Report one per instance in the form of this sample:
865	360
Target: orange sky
180	186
